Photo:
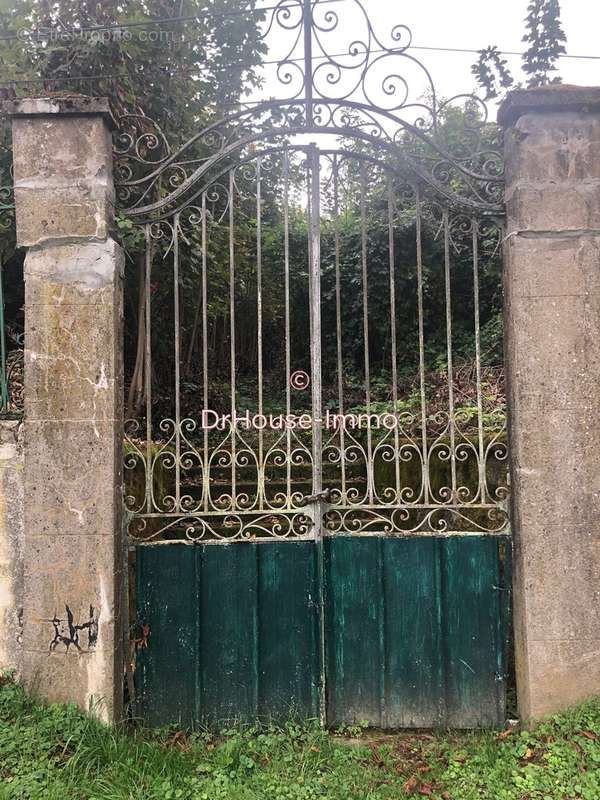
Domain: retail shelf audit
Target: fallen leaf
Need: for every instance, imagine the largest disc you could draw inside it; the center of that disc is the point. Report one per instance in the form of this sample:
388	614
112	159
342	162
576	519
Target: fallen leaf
446	796
589	735
504	735
426	790
410	787
315	749
424	770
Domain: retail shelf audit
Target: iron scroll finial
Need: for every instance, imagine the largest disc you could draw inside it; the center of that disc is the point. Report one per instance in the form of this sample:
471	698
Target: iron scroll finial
372	91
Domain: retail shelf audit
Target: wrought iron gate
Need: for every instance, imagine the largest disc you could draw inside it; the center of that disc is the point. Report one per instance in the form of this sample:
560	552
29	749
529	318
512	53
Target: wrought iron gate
345	504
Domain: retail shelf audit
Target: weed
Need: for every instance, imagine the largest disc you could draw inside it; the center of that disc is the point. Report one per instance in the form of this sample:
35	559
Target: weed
56	753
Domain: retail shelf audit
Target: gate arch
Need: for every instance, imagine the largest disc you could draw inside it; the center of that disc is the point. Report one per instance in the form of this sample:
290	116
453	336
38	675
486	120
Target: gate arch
351	543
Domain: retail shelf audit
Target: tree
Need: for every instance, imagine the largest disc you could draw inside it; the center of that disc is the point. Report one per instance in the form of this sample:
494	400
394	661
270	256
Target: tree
179	63
545	37
492	72
171	60
182	83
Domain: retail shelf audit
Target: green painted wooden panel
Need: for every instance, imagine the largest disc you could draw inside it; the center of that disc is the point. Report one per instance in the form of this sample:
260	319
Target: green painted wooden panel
167	592
228	658
472	615
353	629
288	635
415	631
247	615
414	672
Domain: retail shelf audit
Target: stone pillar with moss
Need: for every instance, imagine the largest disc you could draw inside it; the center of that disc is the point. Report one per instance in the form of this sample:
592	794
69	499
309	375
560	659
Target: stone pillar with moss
552	321
64	195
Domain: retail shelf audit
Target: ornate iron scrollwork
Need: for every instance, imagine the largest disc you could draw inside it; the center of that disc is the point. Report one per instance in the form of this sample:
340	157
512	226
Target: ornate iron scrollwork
364	92
437	472
7	197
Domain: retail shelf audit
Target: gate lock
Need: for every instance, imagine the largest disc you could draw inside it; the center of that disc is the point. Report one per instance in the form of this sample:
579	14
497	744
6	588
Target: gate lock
325	495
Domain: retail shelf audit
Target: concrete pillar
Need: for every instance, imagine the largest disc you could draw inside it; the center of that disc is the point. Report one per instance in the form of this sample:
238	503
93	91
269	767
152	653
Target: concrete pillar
11	545
73	401
552	321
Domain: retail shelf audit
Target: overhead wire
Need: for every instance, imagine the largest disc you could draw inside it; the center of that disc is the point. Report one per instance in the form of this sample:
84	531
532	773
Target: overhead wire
270	62
117	26
11	80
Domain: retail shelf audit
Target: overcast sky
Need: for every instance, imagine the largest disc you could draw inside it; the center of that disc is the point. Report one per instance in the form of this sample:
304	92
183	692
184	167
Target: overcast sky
470	24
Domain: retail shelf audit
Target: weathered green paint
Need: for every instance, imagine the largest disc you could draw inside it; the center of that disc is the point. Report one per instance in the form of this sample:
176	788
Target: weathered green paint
167	591
415	631
471	613
232	633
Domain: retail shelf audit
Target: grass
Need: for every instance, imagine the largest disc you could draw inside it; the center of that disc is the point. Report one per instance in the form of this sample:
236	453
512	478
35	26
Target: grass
56	753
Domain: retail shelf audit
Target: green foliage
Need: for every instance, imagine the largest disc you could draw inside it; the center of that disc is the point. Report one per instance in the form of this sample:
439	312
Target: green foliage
178	74
492	339
172	71
51	752
183	80
492	72
545	38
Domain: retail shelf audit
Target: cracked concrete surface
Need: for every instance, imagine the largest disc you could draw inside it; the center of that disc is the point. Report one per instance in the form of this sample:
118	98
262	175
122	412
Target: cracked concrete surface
72	550
552	324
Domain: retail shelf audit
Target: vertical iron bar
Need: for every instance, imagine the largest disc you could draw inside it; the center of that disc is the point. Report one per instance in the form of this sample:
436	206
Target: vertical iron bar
449	351
338	320
365	304
315	346
424	446
481	465
308	74
288	365
205	473
315	313
148	373
232	337
392	264
177	362
261	477
310	244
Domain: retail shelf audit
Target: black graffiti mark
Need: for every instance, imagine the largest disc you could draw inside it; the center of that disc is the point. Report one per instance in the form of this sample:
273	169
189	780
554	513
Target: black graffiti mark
67	633
20	625
92	630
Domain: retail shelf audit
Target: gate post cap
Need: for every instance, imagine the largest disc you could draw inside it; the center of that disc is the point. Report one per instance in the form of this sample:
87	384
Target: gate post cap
553	97
63	104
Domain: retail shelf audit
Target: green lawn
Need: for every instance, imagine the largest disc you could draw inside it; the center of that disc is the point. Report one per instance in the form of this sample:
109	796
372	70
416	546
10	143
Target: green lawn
55	753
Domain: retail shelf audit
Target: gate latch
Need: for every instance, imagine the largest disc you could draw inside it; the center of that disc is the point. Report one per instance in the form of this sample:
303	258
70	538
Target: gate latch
325	495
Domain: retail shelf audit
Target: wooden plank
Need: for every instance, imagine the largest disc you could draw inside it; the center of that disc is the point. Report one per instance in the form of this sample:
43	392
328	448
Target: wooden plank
167	598
472	613
353	618
414	680
415	632
228	610
288	654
